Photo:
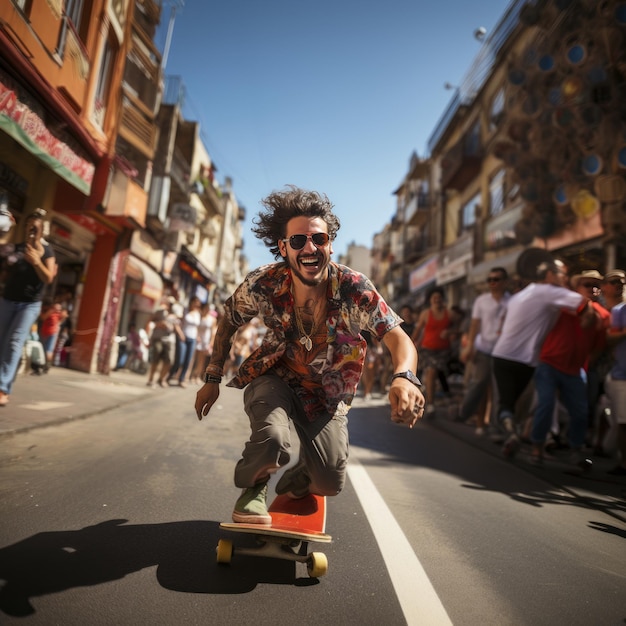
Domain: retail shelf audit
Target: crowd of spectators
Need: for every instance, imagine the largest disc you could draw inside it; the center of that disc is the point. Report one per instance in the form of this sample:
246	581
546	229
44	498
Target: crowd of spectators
542	363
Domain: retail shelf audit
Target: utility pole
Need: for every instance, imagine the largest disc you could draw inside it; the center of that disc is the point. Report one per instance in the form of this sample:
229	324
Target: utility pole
174	5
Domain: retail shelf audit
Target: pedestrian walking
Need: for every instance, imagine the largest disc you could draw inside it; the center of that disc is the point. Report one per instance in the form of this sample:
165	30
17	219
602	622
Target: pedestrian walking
488	313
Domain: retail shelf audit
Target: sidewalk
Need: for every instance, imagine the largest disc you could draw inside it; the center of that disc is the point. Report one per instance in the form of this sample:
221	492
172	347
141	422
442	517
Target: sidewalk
63	395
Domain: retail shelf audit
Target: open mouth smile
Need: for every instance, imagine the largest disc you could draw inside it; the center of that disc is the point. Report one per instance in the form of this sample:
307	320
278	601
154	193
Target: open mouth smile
309	262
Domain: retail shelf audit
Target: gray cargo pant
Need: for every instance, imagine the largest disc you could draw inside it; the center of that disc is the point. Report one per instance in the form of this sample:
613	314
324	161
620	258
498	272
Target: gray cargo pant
270	403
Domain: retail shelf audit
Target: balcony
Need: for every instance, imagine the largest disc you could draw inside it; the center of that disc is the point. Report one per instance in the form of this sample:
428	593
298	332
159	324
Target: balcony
127	201
148	17
417	209
461	164
180	172
415	248
137	127
212	202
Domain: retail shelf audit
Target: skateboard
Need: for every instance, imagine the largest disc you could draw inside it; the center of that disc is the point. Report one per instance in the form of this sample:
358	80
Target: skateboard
295	523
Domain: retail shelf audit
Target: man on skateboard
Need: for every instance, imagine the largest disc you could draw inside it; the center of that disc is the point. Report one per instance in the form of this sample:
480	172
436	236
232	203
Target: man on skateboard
308	366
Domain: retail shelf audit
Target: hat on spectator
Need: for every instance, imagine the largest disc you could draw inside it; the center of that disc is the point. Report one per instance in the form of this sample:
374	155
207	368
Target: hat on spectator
589	274
614	274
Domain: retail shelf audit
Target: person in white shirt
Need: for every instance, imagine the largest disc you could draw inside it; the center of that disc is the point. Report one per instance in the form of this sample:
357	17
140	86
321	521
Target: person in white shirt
189	325
204	343
531	313
488	314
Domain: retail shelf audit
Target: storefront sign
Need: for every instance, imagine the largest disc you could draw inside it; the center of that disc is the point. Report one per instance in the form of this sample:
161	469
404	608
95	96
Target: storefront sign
455	260
423	275
19	121
499	231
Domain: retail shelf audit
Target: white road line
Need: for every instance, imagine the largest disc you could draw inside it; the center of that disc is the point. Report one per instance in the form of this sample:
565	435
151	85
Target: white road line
418	599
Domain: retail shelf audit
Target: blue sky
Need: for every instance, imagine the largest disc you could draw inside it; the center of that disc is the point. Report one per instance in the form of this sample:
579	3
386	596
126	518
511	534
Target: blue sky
332	95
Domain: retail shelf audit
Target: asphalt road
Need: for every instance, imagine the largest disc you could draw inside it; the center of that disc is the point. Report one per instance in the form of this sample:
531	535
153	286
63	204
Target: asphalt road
114	520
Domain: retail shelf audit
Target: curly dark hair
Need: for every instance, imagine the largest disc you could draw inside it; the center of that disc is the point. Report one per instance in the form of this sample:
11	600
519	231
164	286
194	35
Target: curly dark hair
282	206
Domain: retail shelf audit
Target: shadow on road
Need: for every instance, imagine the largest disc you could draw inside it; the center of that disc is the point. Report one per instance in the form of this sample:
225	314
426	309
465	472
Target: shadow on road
184	553
371	428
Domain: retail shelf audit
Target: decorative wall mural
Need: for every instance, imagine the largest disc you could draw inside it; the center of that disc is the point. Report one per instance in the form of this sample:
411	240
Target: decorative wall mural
563	132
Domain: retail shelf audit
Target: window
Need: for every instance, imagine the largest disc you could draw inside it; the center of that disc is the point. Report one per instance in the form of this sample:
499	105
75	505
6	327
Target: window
468	213
72	19
497	110
23	6
496	193
103	84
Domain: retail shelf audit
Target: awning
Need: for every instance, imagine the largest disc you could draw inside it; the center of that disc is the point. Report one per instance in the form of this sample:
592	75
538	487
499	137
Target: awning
25	126
478	274
192	266
151	282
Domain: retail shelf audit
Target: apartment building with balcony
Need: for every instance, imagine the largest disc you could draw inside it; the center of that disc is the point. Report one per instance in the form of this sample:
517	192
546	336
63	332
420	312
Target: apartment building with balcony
529	152
417	222
60	72
196	221
134	285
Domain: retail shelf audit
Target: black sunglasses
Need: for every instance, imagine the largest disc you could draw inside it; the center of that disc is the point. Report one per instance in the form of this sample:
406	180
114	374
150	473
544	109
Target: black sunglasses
615	281
297	242
493	279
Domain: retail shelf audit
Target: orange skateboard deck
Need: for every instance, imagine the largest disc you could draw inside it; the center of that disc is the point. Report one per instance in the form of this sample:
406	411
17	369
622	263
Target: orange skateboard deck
295	523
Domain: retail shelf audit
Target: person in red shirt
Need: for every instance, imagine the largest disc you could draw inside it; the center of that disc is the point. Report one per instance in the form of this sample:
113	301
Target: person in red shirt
564	355
50	323
432	335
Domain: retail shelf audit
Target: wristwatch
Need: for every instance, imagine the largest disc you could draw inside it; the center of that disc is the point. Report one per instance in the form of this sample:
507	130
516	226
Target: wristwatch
411	377
211	378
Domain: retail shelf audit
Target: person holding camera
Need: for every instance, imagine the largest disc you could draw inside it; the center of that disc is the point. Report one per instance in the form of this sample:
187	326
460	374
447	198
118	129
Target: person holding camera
28	268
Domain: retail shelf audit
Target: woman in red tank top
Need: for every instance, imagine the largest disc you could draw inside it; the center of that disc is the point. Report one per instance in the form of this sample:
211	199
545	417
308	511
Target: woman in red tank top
432	336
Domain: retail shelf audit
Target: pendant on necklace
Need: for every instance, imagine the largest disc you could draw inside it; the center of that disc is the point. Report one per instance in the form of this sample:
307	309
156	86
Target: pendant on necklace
307	343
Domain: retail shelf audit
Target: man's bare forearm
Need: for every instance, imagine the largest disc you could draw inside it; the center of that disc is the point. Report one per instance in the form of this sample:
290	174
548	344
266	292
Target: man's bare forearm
222	343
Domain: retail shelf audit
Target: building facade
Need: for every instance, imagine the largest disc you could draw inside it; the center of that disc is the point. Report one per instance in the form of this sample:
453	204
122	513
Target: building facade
87	132
530	152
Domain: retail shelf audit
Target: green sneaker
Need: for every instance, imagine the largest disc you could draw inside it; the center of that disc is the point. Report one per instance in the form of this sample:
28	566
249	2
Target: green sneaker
251	507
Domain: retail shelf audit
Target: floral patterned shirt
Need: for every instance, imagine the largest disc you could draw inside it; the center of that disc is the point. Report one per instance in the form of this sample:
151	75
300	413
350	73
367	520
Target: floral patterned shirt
353	304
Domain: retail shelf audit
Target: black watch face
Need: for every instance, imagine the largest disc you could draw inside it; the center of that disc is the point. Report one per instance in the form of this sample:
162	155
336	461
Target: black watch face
410	376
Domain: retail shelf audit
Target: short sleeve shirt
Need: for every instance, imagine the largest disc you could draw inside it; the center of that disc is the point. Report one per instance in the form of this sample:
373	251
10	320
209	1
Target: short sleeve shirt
531	313
23	283
491	314
353	305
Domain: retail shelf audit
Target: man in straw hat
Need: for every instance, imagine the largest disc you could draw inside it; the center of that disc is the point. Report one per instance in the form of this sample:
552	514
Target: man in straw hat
613	291
567	350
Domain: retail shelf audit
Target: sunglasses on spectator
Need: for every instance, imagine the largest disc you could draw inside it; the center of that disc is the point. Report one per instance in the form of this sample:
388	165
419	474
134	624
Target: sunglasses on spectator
590	285
297	242
615	281
494	279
